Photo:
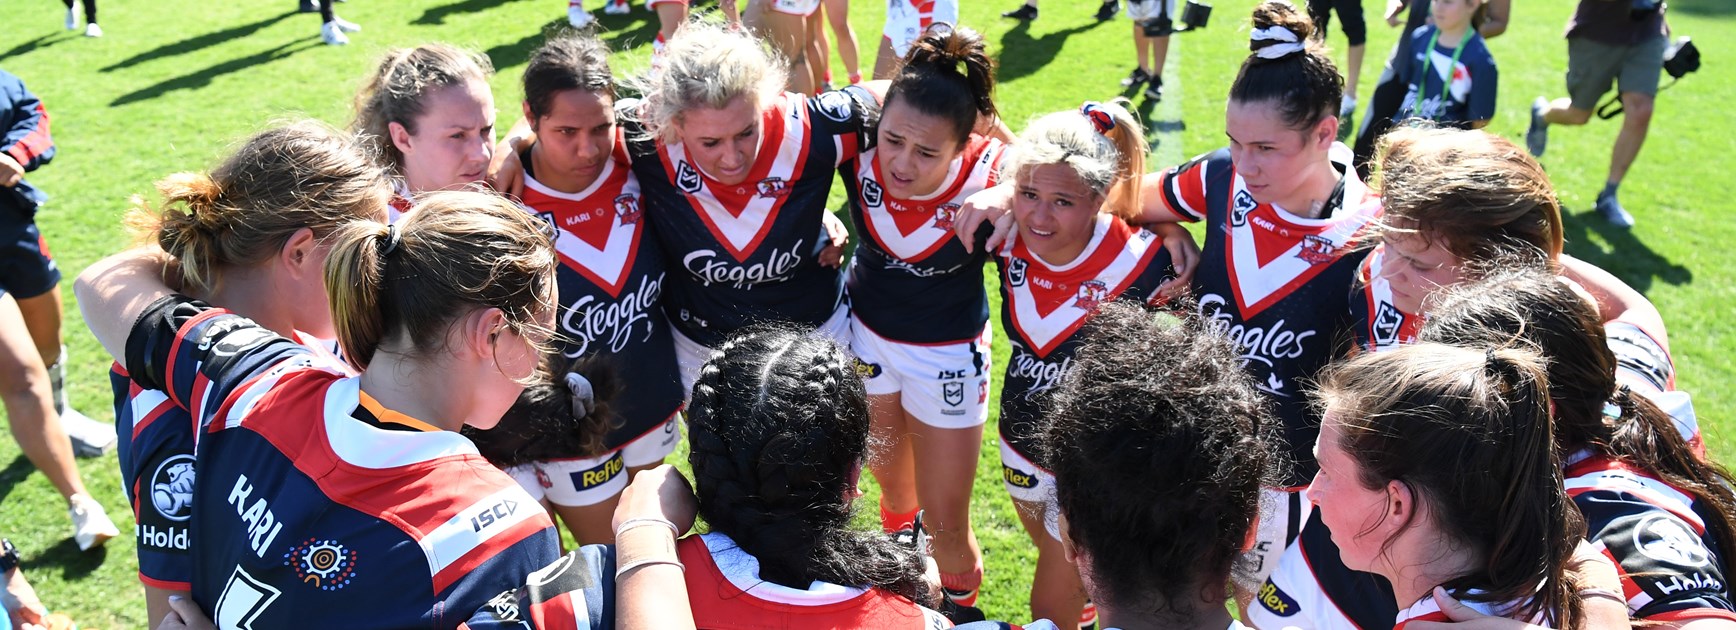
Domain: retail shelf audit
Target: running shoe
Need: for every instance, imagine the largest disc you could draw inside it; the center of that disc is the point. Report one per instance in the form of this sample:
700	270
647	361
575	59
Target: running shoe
1136	78
333	35
1537	137
91	526
1611	209
578	17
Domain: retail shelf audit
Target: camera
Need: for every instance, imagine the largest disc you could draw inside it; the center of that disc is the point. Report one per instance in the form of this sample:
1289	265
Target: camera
1681	58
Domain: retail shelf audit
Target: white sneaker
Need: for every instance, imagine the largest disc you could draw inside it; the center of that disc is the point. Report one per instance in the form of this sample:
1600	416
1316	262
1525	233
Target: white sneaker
92	30
72	17
333	35
578	17
91	526
346	25
617	7
90	438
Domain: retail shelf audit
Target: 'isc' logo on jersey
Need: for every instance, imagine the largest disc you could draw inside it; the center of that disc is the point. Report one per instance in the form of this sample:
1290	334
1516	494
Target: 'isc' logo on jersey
773	187
686	178
871	193
627	207
944	215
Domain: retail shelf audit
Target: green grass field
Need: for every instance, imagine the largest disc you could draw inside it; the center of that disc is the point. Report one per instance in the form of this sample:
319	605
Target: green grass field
175	82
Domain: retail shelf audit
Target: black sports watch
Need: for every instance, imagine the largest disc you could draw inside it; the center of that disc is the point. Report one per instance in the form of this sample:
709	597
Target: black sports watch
8	556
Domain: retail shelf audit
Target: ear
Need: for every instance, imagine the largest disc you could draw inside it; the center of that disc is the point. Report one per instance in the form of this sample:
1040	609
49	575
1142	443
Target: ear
400	137
528	118
1326	132
1068	551
480	330
297	255
1401	504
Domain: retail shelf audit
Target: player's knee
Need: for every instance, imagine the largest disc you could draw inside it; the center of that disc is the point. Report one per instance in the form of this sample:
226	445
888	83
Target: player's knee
1638	107
22	381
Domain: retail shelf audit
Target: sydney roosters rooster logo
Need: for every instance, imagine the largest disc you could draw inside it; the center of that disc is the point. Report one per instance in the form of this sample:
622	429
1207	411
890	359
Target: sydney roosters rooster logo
627	207
944	215
1316	249
1091	293
771	187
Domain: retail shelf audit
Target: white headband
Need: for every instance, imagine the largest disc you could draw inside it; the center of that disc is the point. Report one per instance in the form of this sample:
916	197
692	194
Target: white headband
1291	44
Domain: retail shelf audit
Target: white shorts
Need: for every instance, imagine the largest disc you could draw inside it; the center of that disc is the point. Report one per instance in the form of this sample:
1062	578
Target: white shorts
945	386
802	8
906	19
591	480
691	355
1282	513
1150	9
1029	483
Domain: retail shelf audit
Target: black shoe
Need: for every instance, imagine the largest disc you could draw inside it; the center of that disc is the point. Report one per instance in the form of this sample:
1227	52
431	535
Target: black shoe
1025	12
1107	10
1136	78
1154	90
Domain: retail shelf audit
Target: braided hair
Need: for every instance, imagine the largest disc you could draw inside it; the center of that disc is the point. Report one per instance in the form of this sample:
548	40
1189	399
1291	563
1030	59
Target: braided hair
778	428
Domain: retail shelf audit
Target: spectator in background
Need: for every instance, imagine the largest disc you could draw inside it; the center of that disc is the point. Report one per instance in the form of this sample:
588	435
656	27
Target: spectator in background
1451	75
1356	30
32	366
1152	24
1390	90
1608	41
332	28
19	607
90	27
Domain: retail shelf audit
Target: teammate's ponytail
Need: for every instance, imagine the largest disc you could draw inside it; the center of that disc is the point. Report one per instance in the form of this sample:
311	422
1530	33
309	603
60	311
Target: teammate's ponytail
949	74
1288	67
398	288
1469	432
300	175
1102	142
1471	192
394	92
1531	306
779	429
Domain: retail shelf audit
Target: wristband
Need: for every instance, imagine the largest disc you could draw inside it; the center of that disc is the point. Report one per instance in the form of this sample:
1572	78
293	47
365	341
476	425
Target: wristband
1589	593
645	562
647	520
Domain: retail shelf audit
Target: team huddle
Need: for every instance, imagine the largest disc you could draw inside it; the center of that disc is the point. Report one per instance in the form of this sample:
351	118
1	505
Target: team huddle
360	374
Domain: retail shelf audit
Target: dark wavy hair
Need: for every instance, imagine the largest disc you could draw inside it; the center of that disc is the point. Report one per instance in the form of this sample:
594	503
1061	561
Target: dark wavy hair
543	425
1159	443
1530	306
777	428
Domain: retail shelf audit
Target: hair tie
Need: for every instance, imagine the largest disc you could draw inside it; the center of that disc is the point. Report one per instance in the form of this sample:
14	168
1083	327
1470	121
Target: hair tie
393	237
938	29
1489	359
580	394
1098	116
1287	43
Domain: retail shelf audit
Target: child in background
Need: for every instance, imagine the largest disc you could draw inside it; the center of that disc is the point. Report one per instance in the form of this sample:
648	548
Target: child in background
1451	73
1152	25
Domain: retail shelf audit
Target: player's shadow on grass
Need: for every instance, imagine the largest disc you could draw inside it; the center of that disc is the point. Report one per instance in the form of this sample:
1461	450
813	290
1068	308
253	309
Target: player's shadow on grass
1626	256
37	44
65	556
203	78
14	474
1022	55
437	15
199	42
617	32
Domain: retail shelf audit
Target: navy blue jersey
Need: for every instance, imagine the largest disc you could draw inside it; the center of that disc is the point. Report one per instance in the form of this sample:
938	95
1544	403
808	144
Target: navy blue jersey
749	252
1459	92
611	291
1664	549
1043	306
577	592
1376	323
317	507
1274	283
155	447
911	279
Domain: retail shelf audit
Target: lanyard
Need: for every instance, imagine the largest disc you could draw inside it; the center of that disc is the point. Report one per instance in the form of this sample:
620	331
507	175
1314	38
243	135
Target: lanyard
1428	68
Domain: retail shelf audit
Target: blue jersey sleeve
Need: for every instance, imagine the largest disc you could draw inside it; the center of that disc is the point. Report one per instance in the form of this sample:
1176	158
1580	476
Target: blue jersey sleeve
1667	568
850	114
25	123
1485	83
199	355
576	592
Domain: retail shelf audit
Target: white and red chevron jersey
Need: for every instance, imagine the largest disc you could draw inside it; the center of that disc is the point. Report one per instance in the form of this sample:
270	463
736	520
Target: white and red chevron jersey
748	252
911	279
1664	548
1043	306
611	290
1378	324
1274	282
727	593
158	473
316	506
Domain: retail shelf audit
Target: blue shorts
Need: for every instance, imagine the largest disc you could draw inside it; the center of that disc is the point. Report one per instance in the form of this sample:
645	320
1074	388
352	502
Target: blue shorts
26	269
